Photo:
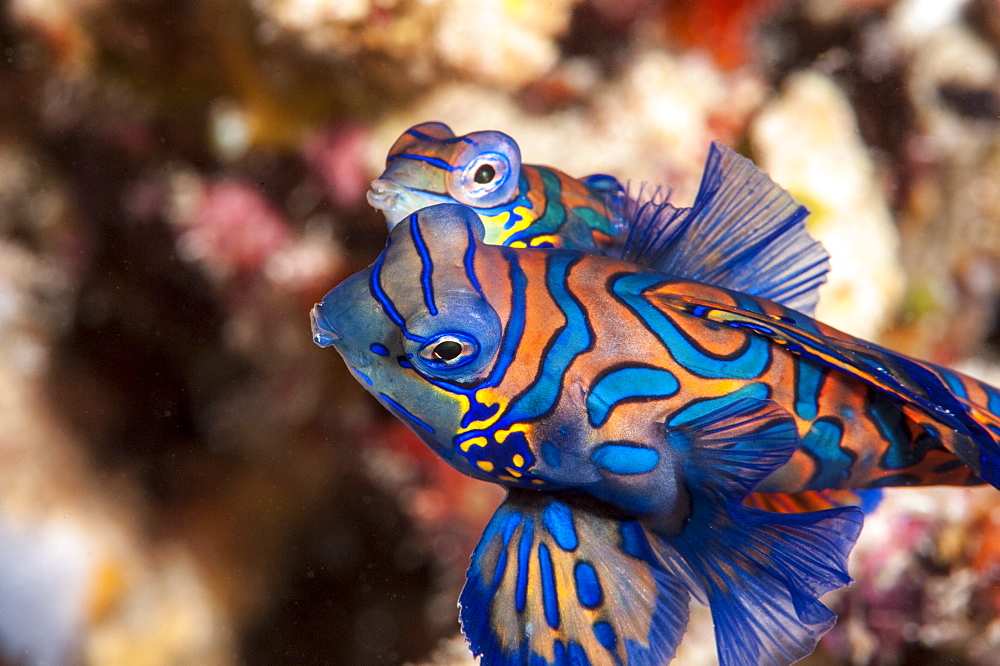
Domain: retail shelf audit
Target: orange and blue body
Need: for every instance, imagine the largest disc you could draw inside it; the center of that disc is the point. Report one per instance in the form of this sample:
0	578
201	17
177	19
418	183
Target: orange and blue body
632	414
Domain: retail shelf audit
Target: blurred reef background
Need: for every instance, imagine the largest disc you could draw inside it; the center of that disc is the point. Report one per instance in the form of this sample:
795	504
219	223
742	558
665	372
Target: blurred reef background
186	479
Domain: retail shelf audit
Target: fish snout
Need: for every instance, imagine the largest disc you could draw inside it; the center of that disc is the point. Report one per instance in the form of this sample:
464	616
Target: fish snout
346	320
383	194
397	201
322	330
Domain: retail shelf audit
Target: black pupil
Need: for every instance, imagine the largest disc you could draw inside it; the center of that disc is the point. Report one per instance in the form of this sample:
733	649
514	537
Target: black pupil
447	350
485	174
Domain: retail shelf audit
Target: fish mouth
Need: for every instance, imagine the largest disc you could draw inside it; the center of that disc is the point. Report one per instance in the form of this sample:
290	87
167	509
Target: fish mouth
383	194
397	202
323	333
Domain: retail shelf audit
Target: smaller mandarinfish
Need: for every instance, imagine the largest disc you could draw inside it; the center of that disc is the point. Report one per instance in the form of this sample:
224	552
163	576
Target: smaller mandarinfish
630	413
522	205
735	235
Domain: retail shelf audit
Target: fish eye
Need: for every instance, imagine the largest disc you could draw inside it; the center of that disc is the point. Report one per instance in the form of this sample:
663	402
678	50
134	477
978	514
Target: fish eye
484	174
483	180
486	170
449	351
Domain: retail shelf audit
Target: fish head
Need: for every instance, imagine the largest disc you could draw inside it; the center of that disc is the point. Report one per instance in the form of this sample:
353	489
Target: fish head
414	327
428	164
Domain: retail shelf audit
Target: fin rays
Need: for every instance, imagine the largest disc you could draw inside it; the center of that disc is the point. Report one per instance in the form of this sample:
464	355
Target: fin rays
743	232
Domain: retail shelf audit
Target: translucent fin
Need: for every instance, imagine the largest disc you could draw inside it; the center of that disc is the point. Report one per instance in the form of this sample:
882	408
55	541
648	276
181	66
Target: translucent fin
743	232
611	192
560	578
814	500
762	573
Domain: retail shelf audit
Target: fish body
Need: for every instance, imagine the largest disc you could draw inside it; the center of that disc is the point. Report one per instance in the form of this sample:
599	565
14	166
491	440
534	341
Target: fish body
632	413
742	231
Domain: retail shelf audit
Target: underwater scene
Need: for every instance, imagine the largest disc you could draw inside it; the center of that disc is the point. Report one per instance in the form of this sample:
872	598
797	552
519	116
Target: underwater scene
445	332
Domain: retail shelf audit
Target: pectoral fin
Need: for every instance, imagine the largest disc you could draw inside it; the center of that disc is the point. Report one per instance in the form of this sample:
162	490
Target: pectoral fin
563	578
762	573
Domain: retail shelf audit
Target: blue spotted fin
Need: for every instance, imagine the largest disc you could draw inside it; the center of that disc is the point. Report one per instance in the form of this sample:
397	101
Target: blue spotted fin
561	578
743	232
761	573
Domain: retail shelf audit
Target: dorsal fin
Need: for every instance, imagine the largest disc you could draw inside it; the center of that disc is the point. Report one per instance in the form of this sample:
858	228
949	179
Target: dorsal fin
743	232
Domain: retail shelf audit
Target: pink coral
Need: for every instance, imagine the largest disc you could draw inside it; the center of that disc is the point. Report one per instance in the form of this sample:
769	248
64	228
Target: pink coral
337	155
233	229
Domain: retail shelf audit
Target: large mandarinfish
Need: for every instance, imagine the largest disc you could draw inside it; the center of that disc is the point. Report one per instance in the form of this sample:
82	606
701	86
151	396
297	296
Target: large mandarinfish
630	413
743	231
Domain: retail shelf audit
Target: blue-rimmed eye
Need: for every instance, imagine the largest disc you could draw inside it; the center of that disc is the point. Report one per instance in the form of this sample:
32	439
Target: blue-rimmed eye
487	167
484	175
449	351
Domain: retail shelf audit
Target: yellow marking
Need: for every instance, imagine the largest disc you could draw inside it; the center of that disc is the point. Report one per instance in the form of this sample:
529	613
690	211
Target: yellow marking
719	387
537	481
504	477
486	397
485	465
514	473
501	435
519	244
497	222
538	240
518	460
474	441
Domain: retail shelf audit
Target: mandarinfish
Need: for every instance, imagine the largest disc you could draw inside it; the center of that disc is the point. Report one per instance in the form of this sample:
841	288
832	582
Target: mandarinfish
631	413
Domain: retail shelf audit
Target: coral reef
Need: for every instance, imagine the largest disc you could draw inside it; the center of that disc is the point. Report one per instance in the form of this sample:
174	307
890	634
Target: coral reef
187	479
